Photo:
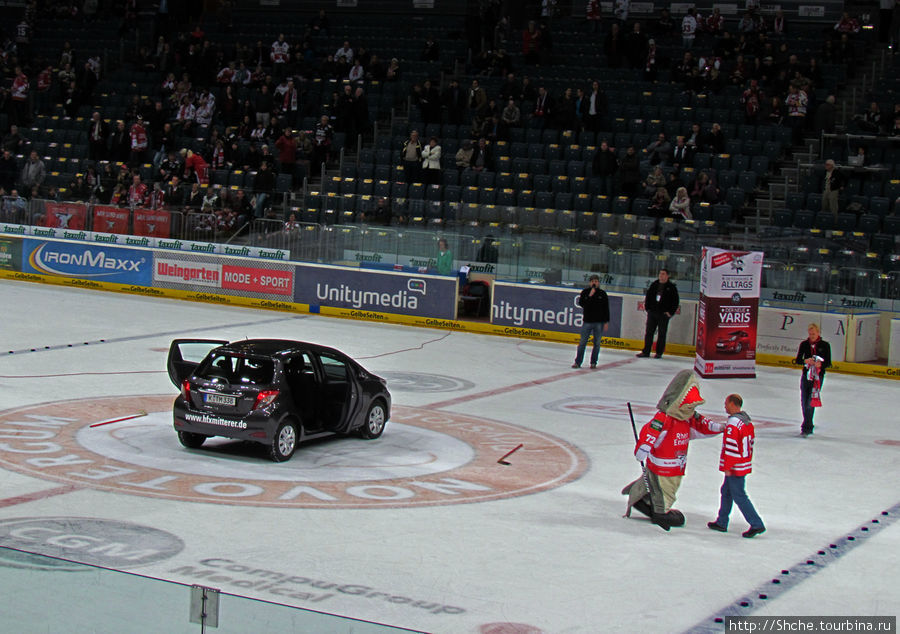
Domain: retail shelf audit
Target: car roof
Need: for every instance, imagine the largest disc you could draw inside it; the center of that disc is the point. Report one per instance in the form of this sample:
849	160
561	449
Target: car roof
275	347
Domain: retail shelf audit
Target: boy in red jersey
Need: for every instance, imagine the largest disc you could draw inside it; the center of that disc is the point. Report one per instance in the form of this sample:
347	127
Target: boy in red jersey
735	463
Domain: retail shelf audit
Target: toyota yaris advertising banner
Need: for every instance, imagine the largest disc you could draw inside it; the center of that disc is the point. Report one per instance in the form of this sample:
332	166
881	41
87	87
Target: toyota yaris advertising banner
727	313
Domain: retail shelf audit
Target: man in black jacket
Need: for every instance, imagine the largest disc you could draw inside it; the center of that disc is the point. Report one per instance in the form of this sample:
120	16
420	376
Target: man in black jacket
595	303
660	303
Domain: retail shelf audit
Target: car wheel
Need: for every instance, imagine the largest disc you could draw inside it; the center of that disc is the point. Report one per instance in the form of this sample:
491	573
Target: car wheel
373	426
191	440
738	348
285	441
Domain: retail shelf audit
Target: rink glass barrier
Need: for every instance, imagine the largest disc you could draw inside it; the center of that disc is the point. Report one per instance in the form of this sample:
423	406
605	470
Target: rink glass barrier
80	597
826	272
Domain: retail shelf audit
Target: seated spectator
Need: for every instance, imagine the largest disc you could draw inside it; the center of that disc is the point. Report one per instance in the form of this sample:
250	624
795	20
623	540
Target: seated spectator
704	189
511	116
680	207
78	189
481	157
659	203
292	226
655	179
682	154
870	121
659	152
464	155
847	24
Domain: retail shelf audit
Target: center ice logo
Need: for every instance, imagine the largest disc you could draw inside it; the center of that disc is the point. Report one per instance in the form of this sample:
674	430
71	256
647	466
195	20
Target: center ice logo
426	457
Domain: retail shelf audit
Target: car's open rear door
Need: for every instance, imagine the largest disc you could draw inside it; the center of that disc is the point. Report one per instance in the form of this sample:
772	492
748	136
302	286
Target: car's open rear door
186	354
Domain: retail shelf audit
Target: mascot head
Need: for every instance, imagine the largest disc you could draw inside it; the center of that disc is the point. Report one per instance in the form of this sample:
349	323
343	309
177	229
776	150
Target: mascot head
682	396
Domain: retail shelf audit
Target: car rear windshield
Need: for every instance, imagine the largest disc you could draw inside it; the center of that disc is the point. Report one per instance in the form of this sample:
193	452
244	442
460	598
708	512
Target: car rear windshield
237	369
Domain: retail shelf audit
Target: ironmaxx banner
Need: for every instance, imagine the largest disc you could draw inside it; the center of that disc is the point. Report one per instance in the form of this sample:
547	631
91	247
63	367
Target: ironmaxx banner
87	261
727	313
365	291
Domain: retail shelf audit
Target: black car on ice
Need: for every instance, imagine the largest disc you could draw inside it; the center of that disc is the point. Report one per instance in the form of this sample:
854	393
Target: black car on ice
272	391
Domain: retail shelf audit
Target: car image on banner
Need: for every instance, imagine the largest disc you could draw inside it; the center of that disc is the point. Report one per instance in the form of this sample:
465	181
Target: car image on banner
734	342
274	392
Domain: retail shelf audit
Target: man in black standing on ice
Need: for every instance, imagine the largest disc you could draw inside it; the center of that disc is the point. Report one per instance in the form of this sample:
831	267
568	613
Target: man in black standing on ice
595	303
660	303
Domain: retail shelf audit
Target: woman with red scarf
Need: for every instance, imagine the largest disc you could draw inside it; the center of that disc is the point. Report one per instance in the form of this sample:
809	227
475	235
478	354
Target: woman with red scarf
815	356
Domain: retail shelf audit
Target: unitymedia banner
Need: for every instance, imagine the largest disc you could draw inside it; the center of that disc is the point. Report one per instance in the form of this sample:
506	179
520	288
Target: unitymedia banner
727	313
369	291
552	308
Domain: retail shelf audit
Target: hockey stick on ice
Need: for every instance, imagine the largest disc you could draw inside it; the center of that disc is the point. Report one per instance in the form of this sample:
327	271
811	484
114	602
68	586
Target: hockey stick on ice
634	431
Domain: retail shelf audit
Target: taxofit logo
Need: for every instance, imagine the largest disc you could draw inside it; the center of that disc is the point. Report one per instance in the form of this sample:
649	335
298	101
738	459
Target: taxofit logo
424	458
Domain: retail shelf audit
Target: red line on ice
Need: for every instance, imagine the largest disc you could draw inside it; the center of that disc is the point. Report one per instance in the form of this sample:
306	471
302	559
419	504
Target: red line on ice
38	495
519	386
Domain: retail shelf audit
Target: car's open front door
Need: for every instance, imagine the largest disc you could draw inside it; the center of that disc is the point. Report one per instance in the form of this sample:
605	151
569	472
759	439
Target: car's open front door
186	354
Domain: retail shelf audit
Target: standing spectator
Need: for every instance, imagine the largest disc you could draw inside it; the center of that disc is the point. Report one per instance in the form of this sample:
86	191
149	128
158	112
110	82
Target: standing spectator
604	167
411	157
290	105
531	43
596	110
431	162
833	183
735	462
8	171
613	46
689	29
661	303
454	101
477	101
825	116
814	355
19	93
444	262
280	55
33	173
636	46
595	305
263	105
138	136
13	141
287	151
629	172
322	146
592	13
98	132
621	9
543	108
264	184
42	96
796	103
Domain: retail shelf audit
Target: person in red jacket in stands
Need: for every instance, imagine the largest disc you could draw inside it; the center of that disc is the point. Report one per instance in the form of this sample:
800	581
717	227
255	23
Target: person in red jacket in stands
735	462
195	163
662	445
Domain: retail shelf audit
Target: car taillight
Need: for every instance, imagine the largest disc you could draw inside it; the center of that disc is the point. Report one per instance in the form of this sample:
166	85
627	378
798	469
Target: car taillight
186	390
265	398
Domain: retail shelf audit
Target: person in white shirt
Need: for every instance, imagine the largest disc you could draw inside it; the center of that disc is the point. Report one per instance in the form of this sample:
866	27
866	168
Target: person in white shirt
431	162
345	51
688	28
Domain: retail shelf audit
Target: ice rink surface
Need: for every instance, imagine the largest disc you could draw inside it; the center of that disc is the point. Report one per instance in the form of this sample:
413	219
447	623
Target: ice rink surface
423	528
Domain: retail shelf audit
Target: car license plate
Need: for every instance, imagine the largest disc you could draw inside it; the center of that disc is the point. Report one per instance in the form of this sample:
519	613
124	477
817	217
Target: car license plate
218	399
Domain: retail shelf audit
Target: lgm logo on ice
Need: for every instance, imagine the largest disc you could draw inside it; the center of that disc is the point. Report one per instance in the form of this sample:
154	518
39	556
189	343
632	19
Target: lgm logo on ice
63	541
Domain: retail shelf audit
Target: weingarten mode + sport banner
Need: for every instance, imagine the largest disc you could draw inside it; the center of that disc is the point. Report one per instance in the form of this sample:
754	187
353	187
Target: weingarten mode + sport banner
727	313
